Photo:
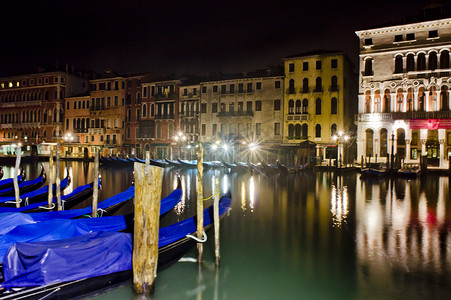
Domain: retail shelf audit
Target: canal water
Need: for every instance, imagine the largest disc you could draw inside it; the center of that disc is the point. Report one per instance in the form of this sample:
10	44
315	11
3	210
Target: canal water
309	236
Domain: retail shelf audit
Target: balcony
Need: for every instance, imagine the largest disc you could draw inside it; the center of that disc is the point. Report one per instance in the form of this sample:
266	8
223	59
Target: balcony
81	130
404	116
97	107
428	73
163	117
21	104
318	90
297	117
168	96
96	130
333	89
305	90
234	114
291	91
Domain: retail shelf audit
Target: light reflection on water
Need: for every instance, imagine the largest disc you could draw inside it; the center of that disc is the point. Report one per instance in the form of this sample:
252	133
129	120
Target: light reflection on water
309	236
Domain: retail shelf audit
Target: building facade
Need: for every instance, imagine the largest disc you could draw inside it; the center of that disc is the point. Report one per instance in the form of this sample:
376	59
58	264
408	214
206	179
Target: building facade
319	104
76	138
133	113
188	136
404	92
32	108
240	111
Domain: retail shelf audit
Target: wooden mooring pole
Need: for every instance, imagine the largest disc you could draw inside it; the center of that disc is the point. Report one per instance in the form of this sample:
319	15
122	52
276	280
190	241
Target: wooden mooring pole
51	175
216	221
58	179
16	184
148	185
200	202
95	192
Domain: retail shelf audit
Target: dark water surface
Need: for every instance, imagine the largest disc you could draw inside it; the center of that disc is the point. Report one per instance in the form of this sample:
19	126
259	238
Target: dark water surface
311	236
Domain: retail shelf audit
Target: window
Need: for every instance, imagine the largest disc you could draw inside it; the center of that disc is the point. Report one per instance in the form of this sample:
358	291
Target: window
432	60
240	106
214	129
318	131
333	106
421	62
334	63
305	85
305	106
318	65
185	92
334	84
75	104
116	85
46	80
276	128
144	110
433	34
277	84
298	106
204	89
240	88
215	89
410	37
258	86
291	67
398	38
231	107
258	105
291	86
368	42
291	107
398	64
258	129
204	129
305	66
319	85
116	100
276	104
67	105
232	88
368	67
318	106
203	108
223	89
249	87
214	107
410	64
249	106
102	86
333	130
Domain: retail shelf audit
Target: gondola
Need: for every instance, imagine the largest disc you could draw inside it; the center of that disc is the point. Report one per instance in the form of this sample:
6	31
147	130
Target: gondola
106	207
69	200
96	247
409	170
212	164
8	182
25	186
375	170
1	172
35	196
173	163
230	166
243	166
284	169
187	164
270	169
155	162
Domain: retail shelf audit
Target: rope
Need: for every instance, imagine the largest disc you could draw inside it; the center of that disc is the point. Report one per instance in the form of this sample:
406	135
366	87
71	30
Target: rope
46	207
14	202
62	203
54	291
205	199
203	240
26	201
101	212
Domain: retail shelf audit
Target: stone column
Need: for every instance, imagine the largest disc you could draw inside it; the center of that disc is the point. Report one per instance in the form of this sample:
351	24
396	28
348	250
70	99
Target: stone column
415	101
437	101
407	160
404	101
442	152
392	102
426	101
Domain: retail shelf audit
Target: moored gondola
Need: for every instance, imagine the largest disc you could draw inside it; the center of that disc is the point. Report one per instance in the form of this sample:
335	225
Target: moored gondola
173	163
96	247
187	164
8	182
25	186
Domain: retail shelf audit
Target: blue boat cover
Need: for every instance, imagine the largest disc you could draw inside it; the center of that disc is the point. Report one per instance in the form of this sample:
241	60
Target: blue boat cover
58	229
85	256
44	203
9	220
23	184
43	190
10	180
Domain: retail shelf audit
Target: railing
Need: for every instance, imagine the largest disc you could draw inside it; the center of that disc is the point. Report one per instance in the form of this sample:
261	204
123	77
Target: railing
20	104
318	90
333	89
297	117
164	116
170	95
96	130
305	90
231	114
97	107
404	115
291	91
81	130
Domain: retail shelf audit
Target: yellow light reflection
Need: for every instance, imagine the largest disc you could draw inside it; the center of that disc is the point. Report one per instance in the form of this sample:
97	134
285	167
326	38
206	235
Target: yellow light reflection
186	181
251	193
225	184
339	205
243	196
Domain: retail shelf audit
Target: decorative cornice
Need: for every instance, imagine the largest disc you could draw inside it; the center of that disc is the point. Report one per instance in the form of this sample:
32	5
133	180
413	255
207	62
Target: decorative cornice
402	28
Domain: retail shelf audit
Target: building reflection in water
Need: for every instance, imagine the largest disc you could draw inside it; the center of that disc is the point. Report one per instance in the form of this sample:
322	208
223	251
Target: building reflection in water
243	196
402	233
251	193
339	203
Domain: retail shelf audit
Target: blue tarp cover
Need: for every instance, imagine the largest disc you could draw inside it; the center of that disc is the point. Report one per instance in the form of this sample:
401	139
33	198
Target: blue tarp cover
10	180
58	229
43	190
85	256
44	203
21	185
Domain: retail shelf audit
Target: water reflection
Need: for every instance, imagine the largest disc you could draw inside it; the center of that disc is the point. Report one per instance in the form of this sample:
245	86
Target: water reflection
339	203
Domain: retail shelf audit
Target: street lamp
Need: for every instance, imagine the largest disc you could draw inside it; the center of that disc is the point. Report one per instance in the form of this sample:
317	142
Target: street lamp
180	138
340	138
68	138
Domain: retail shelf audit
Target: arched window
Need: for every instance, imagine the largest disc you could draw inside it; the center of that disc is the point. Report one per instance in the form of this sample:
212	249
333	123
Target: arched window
144	110
304	131
421	62
152	110
369	142
138	97
318	131
421	99
170	130
367	108
291	106
74	124
386	102
409	99
290	130
410	64
333	130
75	104
432	60
291	86
444	99
305	106
399	100
334	84
298	106
305	85
319	84
398	64
368	67
383	142
444	59
318	106
158	131
297	129
333	106
46	95
44	116
78	124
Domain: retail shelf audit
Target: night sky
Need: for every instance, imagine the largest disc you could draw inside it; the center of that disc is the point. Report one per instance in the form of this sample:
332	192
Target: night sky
183	36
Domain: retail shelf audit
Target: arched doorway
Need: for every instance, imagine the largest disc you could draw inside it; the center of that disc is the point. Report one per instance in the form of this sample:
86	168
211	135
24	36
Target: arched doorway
401	143
369	134
433	148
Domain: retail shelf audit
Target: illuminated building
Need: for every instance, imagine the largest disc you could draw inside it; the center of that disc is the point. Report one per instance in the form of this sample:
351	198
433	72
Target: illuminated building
319	102
189	96
242	109
133	115
32	107
404	91
76	138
